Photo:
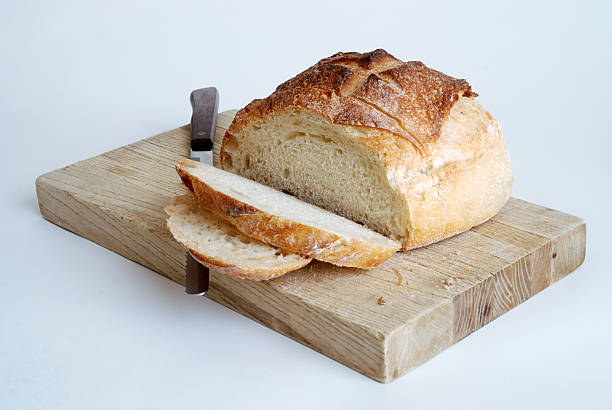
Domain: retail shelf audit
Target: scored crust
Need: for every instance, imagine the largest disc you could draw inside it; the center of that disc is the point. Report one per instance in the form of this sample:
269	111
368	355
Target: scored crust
373	90
284	233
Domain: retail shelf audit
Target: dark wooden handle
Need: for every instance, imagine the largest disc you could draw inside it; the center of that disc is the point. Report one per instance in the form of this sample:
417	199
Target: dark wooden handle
205	103
196	281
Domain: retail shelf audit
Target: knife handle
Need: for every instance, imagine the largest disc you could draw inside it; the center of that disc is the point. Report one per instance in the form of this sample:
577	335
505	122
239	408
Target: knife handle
196	280
205	104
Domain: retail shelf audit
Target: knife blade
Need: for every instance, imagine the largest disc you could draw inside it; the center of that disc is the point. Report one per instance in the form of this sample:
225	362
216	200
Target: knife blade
205	106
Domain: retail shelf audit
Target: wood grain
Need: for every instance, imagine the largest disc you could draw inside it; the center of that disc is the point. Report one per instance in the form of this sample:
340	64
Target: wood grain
435	296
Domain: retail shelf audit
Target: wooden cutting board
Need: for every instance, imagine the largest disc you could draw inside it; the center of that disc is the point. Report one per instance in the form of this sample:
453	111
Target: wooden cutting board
435	296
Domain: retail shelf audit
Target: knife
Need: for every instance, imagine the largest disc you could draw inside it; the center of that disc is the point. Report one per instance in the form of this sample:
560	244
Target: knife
205	105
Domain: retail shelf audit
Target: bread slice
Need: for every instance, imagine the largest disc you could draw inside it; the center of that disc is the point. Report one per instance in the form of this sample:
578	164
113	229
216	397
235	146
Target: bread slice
218	245
284	221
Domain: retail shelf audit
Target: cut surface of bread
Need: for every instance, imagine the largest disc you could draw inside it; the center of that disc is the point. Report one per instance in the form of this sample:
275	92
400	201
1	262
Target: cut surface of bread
402	148
283	220
321	163
217	244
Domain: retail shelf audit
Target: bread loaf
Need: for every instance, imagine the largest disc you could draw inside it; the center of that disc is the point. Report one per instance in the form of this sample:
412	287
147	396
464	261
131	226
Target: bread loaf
282	220
400	147
218	245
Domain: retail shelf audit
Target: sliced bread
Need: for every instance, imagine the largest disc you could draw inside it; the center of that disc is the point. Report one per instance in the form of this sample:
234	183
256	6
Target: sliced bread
284	221
218	245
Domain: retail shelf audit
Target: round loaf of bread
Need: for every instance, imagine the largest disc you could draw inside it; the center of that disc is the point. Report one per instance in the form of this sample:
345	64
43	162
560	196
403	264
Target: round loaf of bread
402	148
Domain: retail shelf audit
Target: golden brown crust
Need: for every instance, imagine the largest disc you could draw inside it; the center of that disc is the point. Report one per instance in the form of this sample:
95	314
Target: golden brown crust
235	271
465	196
373	90
467	178
283	233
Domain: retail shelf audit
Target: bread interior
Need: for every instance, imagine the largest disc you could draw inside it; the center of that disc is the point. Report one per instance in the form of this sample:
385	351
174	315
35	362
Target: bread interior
303	154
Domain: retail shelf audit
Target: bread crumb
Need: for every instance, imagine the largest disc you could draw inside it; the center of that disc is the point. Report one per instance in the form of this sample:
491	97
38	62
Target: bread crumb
400	278
449	282
381	301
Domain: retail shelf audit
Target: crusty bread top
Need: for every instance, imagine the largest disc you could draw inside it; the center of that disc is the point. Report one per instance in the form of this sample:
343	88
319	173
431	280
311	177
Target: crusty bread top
373	90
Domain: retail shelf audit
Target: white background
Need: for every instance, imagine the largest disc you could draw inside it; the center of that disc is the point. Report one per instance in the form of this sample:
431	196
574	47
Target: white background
83	328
